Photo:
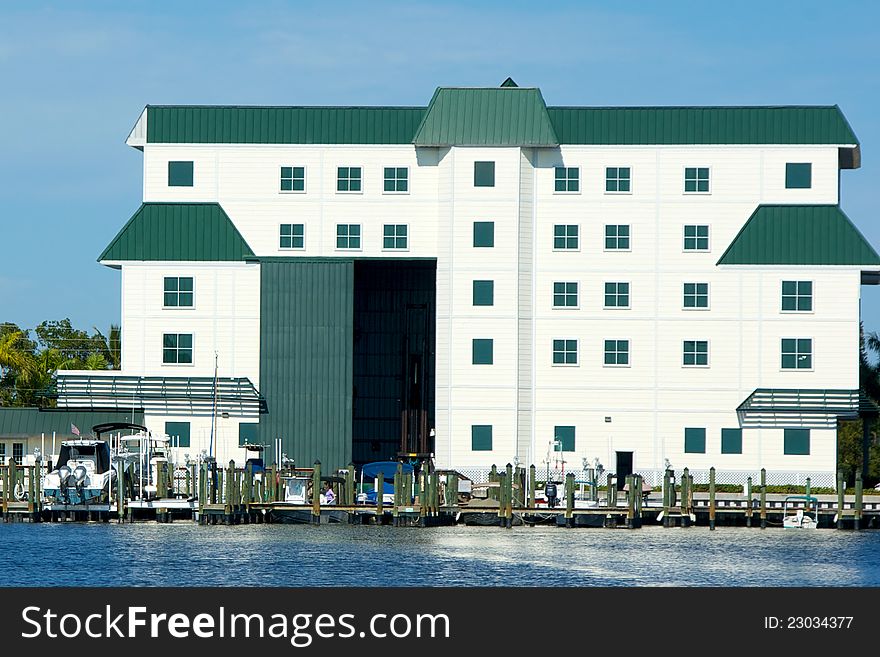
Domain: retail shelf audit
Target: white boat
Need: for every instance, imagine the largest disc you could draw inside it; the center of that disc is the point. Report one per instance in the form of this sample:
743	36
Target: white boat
140	454
84	473
800	512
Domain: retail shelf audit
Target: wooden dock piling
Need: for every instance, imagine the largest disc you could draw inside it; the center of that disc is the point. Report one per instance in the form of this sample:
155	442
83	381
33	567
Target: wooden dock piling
569	500
316	493
763	498
668	493
532	487
712	498
841	491
749	499
685	498
857	509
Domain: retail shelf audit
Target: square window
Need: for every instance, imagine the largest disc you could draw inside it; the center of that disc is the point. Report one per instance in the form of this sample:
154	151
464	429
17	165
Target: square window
180	174
396	180
482	351
177	348
394	236
798	175
348	179
695	441
18	453
292	236
797	296
618	180
484	174
484	293
796	442
563	437
348	236
2	453
293	179
617	295
484	233
617	352
178	292
695	353
696	238
481	437
565	352
696	295
565	236
797	353
568	179
248	433
617	237
731	441
696	180
565	294
178	432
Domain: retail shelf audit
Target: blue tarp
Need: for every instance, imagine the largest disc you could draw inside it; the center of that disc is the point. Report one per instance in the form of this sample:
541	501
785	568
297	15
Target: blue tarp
387	468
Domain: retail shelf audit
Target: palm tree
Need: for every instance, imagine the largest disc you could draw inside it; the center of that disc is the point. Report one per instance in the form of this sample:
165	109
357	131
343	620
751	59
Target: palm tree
12	352
110	346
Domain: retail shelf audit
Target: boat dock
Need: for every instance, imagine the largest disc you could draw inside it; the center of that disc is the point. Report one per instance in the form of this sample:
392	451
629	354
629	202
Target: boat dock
211	495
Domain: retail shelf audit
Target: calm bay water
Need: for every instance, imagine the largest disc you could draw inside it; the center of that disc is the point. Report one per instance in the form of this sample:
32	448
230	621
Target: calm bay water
185	554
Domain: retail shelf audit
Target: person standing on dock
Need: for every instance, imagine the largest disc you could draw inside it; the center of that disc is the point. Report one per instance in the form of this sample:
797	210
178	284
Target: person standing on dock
327	495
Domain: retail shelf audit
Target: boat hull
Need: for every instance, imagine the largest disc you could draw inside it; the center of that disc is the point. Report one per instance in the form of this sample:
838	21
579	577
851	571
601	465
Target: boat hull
477	519
74	497
304	516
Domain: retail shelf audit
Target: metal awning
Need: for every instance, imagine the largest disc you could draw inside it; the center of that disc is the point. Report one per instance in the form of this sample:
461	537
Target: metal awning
783	407
236	397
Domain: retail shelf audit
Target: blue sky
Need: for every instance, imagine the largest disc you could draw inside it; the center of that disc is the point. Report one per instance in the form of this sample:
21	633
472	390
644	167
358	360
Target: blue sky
75	76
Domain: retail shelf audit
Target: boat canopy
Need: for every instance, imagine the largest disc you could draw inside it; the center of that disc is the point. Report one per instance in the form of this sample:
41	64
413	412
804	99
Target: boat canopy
89	449
387	468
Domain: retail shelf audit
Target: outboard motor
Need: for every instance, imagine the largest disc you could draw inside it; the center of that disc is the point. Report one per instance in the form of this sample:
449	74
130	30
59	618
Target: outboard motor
64	475
79	476
550	494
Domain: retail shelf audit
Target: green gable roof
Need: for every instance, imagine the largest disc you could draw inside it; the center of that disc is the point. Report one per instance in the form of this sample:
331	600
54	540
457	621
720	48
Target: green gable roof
799	235
178	232
281	125
701	125
24	422
504	116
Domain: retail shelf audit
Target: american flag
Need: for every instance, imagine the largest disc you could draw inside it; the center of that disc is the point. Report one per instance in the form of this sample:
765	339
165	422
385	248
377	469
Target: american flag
74	430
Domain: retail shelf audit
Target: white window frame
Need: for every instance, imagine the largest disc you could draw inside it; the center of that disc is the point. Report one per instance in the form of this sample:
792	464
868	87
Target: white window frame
629	295
605	236
348	248
708	355
284	249
305	179
336	180
408	180
579	179
617	166
553	305
812	354
178	277
812	297
684	180
708	296
708	249
577	352
629	352
395	250
162	362
564	250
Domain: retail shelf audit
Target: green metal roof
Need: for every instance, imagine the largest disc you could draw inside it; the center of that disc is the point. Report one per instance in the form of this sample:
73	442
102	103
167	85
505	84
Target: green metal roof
799	235
178	232
504	116
23	422
701	125
282	125
497	116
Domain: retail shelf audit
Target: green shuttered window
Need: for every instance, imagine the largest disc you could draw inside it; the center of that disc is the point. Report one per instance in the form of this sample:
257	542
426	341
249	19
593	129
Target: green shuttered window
179	433
293	179
395	180
616	295
695	440
484	293
484	233
348	236
565	236
481	437
798	175
348	179
180	174
564	438
696	295
731	441
292	236
616	352
696	238
565	294
617	237
178	292
695	353
394	236
797	353
565	352
568	179
247	433
618	180
696	180
484	174
482	351
796	442
797	296
177	348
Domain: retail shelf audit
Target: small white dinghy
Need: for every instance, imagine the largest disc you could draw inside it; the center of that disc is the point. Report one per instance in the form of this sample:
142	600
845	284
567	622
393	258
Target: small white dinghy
801	512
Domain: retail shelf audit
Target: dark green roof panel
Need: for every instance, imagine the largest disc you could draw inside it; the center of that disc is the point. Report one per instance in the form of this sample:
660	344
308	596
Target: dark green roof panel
23	422
506	116
636	126
799	235
178	232
282	125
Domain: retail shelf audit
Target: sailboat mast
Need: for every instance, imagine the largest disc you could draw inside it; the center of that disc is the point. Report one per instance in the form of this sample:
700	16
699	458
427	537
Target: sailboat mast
213	410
